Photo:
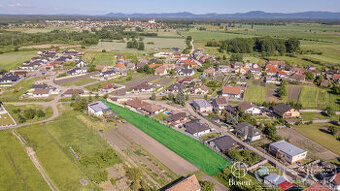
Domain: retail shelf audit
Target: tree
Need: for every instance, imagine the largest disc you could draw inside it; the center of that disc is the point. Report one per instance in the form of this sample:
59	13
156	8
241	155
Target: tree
153	96
236	58
235	155
40	113
333	130
309	75
330	111
207	185
292	45
29	113
282	92
318	80
249	75
180	97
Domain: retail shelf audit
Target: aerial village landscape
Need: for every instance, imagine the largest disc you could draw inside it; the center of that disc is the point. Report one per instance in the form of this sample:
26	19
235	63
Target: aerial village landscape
149	103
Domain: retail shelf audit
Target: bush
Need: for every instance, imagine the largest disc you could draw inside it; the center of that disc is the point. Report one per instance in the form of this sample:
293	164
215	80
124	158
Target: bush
40	113
29	113
99	177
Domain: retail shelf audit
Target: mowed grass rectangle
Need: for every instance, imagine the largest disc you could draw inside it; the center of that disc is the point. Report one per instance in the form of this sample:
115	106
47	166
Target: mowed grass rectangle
256	94
308	97
13	59
317	98
189	149
61	169
17	170
314	133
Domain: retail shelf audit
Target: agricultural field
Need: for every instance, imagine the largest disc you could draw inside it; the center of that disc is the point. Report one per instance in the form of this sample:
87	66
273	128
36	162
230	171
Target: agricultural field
307	116
11	60
313	98
15	111
204	36
191	150
315	132
104	58
18	171
255	94
52	141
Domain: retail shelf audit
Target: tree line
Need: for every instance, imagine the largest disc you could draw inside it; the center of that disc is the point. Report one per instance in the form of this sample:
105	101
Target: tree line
267	45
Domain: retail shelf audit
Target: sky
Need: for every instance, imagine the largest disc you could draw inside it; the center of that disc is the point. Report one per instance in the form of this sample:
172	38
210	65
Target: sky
98	7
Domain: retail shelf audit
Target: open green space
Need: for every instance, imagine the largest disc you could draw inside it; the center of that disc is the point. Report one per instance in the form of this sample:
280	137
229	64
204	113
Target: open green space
16	111
80	82
315	133
17	170
318	98
203	36
5	119
52	142
255	94
104	58
308	116
12	94
11	60
190	149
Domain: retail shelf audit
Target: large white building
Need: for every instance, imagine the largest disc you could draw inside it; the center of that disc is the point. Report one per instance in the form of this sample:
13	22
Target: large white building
290	153
98	108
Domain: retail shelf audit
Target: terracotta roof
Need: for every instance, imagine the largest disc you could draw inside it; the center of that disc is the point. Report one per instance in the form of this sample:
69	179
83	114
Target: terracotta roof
120	65
221	101
274	62
154	65
151	108
160	70
209	71
136	103
336	76
232	90
41	91
203	87
108	86
316	187
337	178
285	185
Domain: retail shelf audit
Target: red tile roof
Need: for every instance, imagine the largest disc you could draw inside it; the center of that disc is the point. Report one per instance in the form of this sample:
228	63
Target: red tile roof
285	185
232	90
316	187
336	76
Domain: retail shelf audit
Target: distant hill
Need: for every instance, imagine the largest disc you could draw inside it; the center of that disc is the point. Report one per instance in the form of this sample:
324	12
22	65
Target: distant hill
248	15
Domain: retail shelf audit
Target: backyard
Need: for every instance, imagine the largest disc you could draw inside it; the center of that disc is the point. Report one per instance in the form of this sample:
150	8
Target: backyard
191	150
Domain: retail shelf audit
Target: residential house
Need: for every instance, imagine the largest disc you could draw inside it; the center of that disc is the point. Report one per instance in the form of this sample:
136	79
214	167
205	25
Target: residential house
9	78
336	181
297	77
176	119
20	74
152	109
224	69
223	143
188	79
284	150
130	66
108	73
137	104
189	183
249	108
202	106
210	72
42	92
200	90
196	128
108	88
143	88
173	88
277	64
283	110
237	64
241	70
247	131
233	91
186	72
98	109
161	71
101	68
80	64
76	71
336	77
220	103
70	92
277	181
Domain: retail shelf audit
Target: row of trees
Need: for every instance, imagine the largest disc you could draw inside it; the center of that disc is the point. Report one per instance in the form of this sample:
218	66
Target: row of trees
267	45
135	44
28	114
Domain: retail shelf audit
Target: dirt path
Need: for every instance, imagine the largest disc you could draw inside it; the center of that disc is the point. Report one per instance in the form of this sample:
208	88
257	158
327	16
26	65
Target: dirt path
35	161
307	144
170	159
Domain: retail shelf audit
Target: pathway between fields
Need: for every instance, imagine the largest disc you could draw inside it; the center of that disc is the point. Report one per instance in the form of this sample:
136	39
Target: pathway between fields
34	159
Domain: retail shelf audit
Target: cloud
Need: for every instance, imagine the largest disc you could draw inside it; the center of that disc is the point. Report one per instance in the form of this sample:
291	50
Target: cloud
16	5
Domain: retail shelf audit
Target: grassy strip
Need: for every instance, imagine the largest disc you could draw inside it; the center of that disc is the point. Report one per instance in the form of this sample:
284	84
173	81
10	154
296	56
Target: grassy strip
190	149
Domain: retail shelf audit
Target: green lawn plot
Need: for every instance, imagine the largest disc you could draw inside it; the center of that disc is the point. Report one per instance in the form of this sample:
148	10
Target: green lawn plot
55	159
164	43
5	119
190	149
15	111
291	60
49	29
255	94
80	82
315	133
317	98
17	170
12	94
104	58
165	32
330	52
11	60
308	116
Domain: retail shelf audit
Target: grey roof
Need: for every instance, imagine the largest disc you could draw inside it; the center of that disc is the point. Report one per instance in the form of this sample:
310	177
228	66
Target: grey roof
287	148
186	70
99	106
202	103
195	126
245	128
275	179
224	143
281	108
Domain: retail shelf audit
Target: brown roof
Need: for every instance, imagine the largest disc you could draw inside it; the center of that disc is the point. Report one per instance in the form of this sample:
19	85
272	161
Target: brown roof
188	184
298	77
336	76
136	103
41	91
74	91
151	108
274	62
245	105
160	70
177	117
221	101
316	187
203	87
337	178
232	90
209	71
